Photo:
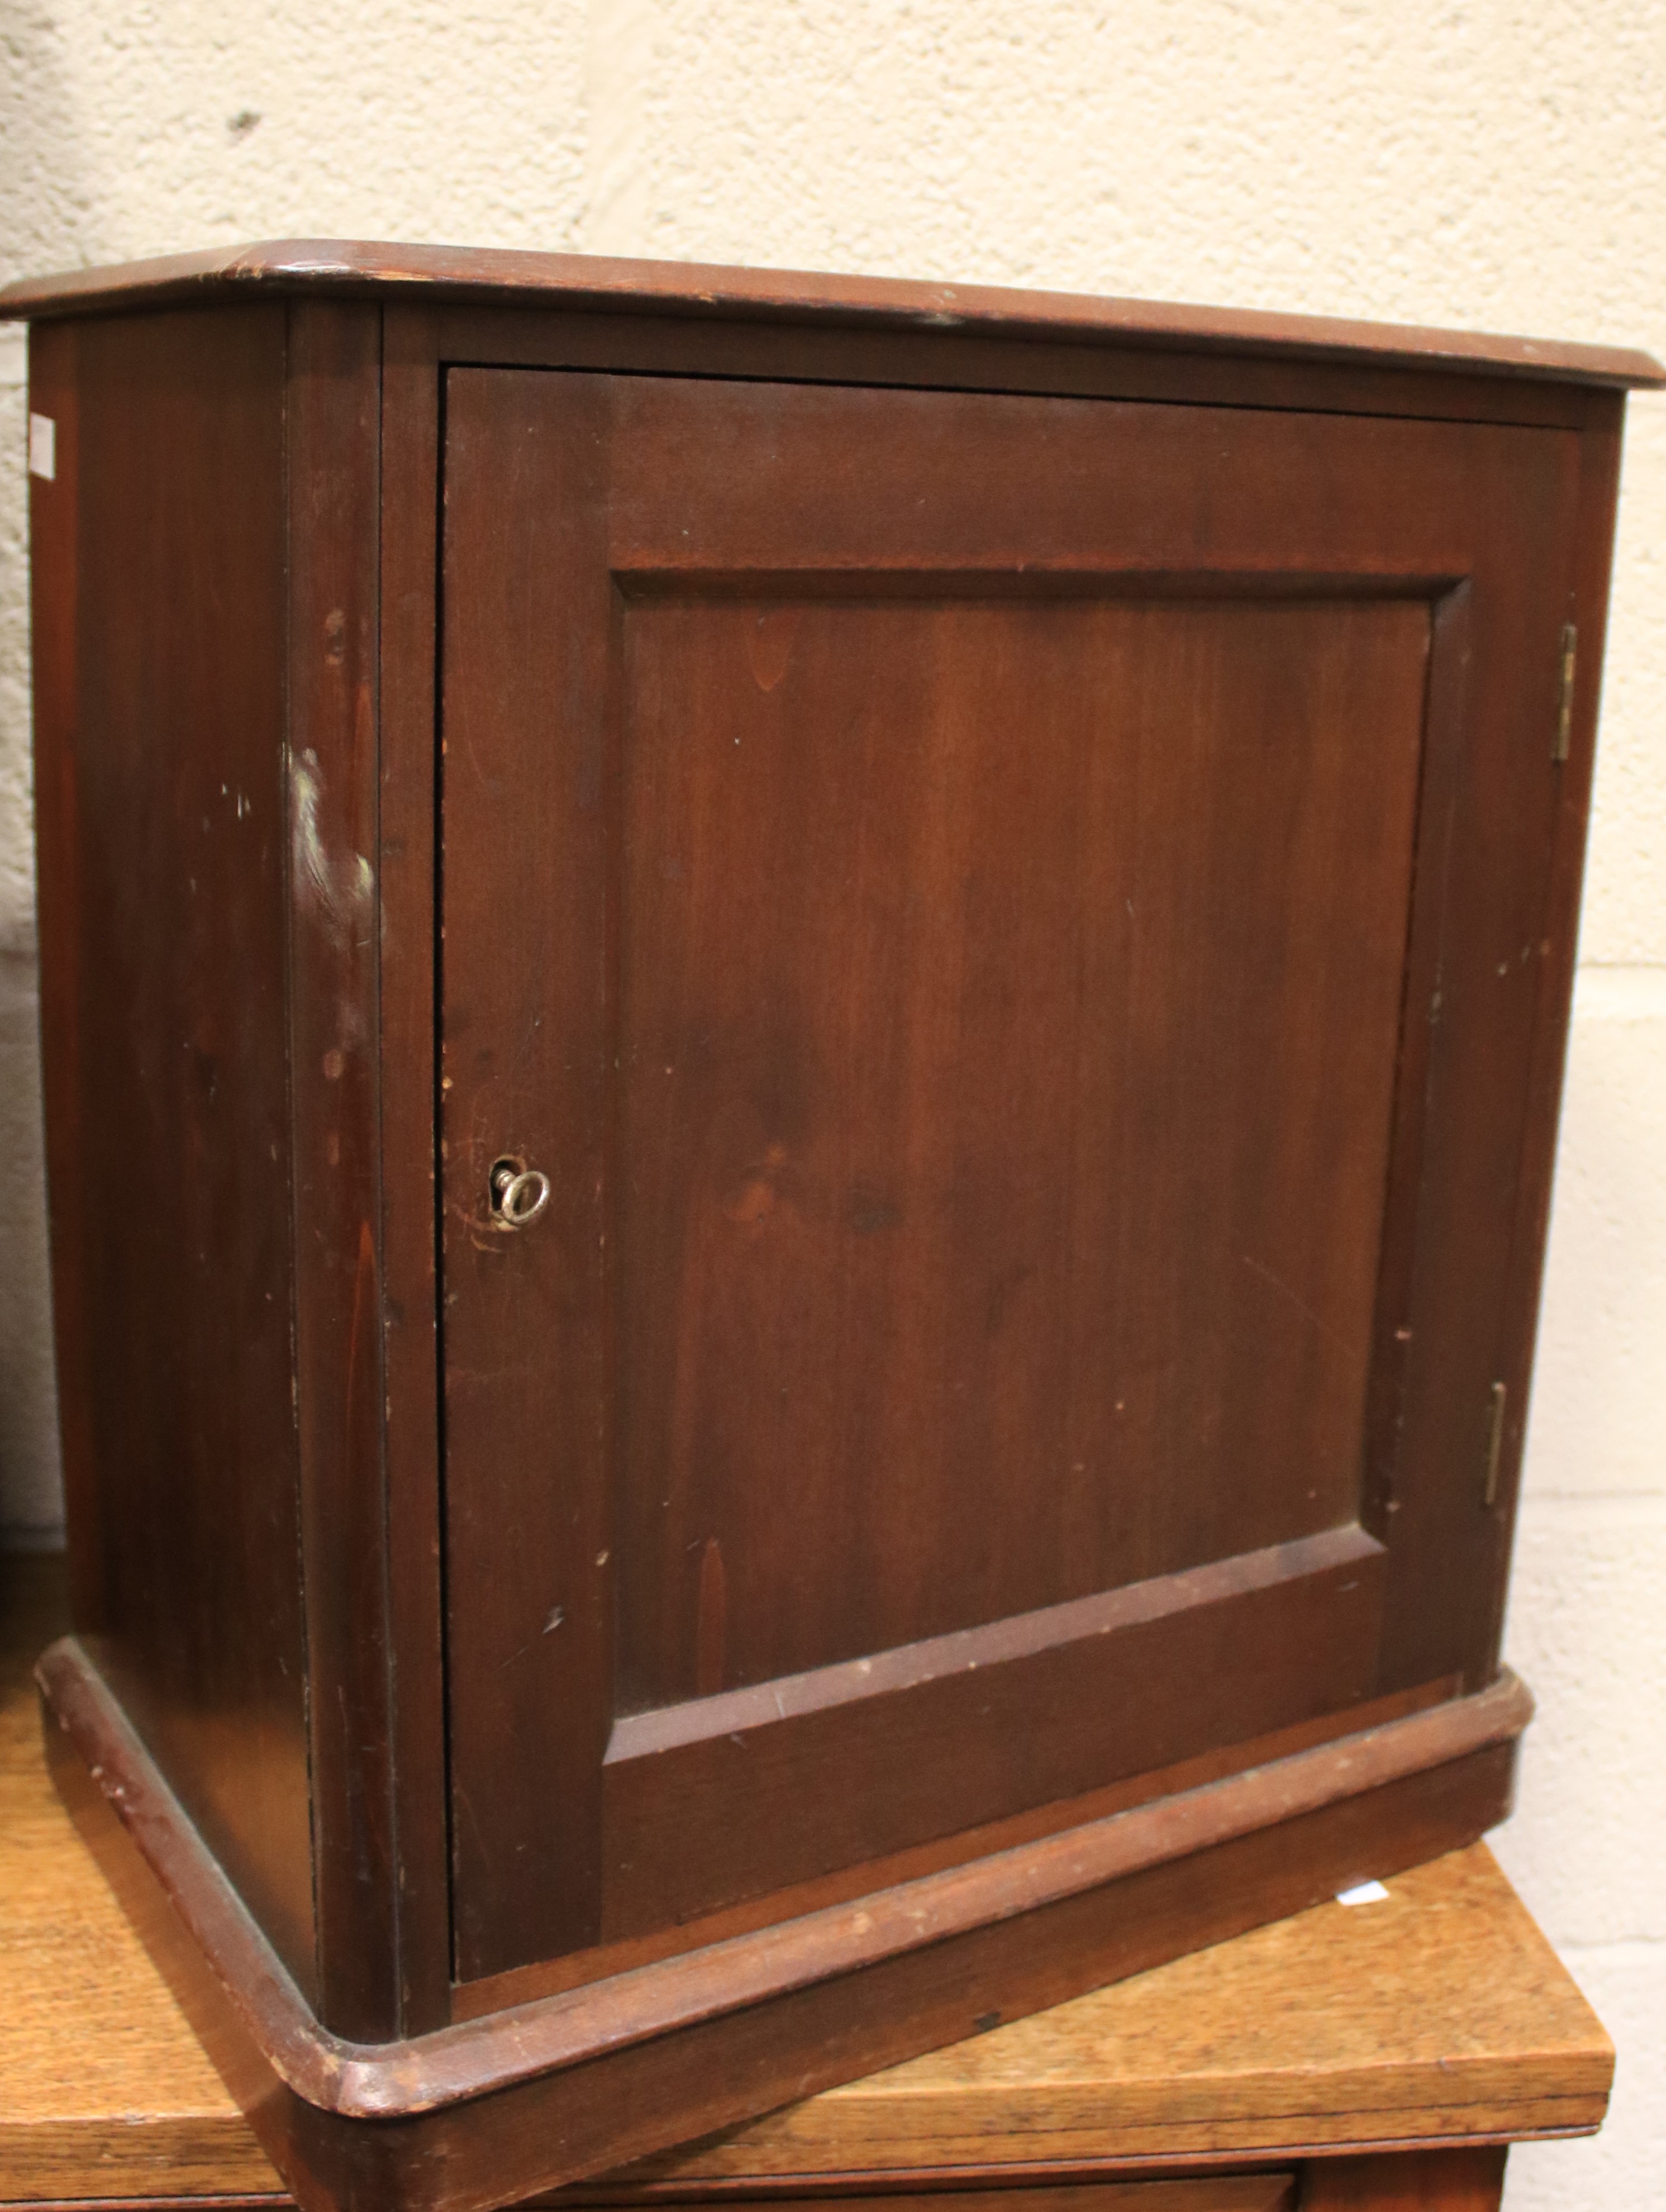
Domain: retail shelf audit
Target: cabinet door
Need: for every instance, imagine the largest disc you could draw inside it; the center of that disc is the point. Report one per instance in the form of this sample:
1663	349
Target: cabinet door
948	888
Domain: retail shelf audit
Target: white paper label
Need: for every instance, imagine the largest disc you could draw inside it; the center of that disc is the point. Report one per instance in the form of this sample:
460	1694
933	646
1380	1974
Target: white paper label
43	446
1363	1893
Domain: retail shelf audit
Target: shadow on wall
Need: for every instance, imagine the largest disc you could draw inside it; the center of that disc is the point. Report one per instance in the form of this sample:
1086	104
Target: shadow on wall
43	219
30	1497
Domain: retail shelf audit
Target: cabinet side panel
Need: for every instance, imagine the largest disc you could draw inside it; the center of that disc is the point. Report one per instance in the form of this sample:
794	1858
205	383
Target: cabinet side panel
160	608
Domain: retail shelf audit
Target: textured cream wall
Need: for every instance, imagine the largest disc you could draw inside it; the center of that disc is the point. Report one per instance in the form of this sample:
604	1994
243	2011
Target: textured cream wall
1499	163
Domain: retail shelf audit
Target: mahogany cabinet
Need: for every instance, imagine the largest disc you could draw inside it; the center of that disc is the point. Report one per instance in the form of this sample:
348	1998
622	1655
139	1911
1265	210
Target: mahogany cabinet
801	1045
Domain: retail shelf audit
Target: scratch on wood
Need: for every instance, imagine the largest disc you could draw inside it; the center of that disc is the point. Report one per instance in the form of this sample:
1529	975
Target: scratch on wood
338	888
1284	1289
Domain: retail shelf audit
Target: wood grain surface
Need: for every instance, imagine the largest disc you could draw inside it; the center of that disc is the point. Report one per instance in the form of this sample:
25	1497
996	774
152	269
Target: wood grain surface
1466	2180
162	853
807	1213
790	909
335	1071
1439	2013
407	832
471	272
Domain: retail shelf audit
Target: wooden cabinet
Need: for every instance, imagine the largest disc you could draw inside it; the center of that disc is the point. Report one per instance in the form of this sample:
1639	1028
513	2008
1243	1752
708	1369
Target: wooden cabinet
802	1043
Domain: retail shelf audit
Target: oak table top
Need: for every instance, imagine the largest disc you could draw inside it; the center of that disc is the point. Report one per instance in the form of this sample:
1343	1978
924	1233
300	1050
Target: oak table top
1438	2015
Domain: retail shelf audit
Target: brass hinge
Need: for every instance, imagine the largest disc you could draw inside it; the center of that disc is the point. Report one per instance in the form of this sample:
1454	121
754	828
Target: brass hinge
1489	1494
1565	695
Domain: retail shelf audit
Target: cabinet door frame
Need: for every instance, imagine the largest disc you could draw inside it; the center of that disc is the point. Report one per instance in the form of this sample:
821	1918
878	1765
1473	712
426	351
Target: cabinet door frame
601	495
418	343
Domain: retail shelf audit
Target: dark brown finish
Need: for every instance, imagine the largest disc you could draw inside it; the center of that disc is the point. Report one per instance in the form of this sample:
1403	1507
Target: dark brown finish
475	273
1459	1755
911	1045
335	1074
1599	462
1259	2193
997	1432
474	2000
928	356
408	840
1189	2193
713	1802
764	1034
1470	2179
1474	994
160	608
839	1238
481	2113
528	1366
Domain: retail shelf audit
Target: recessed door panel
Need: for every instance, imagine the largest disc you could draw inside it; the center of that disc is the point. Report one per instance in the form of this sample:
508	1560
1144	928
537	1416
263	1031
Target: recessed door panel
929	880
1008	997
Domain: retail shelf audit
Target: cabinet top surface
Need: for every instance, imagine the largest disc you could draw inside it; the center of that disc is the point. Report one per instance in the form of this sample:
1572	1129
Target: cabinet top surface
585	282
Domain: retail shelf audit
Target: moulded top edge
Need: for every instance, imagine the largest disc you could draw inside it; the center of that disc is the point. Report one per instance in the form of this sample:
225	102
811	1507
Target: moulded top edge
492	275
